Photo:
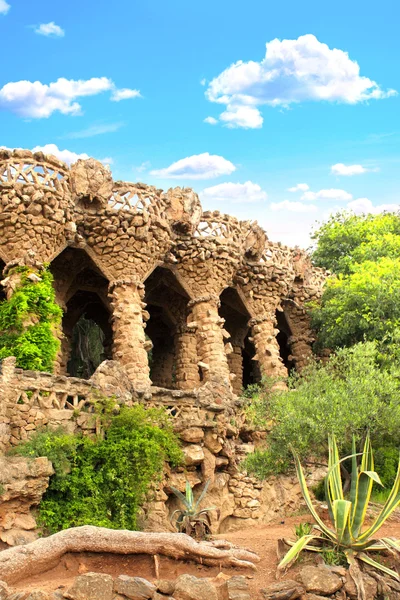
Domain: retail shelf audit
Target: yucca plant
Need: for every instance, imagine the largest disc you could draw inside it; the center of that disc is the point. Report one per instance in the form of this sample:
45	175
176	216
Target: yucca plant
192	519
348	533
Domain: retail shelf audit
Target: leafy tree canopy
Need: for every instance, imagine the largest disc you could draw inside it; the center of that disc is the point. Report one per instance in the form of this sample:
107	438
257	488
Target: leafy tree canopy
364	305
347	239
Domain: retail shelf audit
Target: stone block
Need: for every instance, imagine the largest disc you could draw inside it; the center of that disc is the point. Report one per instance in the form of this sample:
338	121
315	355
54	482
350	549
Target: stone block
91	586
134	588
188	587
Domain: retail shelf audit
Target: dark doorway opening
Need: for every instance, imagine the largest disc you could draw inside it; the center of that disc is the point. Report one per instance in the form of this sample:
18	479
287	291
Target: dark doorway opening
166	301
283	339
87	324
81	288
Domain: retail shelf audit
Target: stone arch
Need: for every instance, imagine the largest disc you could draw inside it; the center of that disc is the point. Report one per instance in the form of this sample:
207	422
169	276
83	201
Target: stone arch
82	291
172	342
241	352
283	338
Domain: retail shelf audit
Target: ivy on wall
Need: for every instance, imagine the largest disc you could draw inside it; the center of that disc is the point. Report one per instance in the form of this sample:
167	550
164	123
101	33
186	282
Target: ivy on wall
30	321
104	480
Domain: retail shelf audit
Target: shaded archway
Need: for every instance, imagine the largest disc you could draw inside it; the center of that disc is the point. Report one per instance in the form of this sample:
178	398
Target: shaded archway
86	324
81	289
283	339
167	305
240	358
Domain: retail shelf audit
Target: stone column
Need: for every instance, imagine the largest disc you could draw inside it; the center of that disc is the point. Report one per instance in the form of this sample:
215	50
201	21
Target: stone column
130	345
211	350
267	348
187	369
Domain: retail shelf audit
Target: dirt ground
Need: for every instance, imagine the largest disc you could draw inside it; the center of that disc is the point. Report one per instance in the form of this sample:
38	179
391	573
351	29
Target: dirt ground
261	539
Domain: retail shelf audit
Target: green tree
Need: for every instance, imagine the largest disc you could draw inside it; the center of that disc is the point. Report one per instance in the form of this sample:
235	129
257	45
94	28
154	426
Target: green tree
347	239
351	394
364	305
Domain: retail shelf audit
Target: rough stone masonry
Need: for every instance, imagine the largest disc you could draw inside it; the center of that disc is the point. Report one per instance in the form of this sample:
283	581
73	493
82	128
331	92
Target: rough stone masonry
192	307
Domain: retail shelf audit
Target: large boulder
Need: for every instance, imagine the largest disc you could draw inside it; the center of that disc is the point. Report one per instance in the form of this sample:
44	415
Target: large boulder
320	580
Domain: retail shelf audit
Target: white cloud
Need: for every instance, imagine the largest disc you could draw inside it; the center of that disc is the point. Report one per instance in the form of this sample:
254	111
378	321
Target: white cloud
4	7
33	99
298	207
247	117
94	130
203	81
348	170
234	192
292	71
50	30
198	166
331	194
364	205
299	187
67	156
125	94
210	120
142	167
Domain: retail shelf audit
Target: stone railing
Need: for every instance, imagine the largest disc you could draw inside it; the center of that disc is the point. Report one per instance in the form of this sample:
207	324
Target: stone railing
141	199
27	168
219	226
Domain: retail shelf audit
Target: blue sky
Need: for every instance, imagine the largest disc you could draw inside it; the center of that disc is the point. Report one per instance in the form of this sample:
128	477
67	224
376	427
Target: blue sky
292	93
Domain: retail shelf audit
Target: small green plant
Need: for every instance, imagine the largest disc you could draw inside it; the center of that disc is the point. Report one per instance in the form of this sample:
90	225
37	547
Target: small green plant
348	534
334	557
30	321
303	529
192	519
104	480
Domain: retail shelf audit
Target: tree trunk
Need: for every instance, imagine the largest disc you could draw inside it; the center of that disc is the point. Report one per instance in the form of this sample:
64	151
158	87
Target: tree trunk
43	554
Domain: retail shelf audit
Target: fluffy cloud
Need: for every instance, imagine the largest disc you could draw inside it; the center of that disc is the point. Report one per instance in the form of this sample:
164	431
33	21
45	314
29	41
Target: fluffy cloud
364	205
198	166
125	94
331	194
299	187
50	30
66	156
292	71
247	117
33	99
234	192
4	7
348	170
298	207
210	120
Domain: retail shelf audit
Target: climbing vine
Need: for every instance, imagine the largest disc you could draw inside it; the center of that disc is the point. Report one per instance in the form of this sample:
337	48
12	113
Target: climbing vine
103	480
30	320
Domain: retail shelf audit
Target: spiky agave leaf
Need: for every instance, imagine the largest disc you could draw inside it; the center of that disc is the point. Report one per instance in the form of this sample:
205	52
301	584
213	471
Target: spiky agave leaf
373	563
203	493
180	497
295	550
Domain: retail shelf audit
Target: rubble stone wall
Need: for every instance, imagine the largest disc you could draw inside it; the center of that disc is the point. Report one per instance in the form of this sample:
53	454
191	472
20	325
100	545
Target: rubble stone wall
188	302
124	248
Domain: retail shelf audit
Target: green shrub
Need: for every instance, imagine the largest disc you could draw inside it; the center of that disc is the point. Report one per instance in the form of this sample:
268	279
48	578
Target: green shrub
104	481
351	394
29	322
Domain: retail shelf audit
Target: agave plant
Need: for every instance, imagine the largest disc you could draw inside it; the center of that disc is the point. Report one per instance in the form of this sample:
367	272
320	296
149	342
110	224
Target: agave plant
348	532
191	519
